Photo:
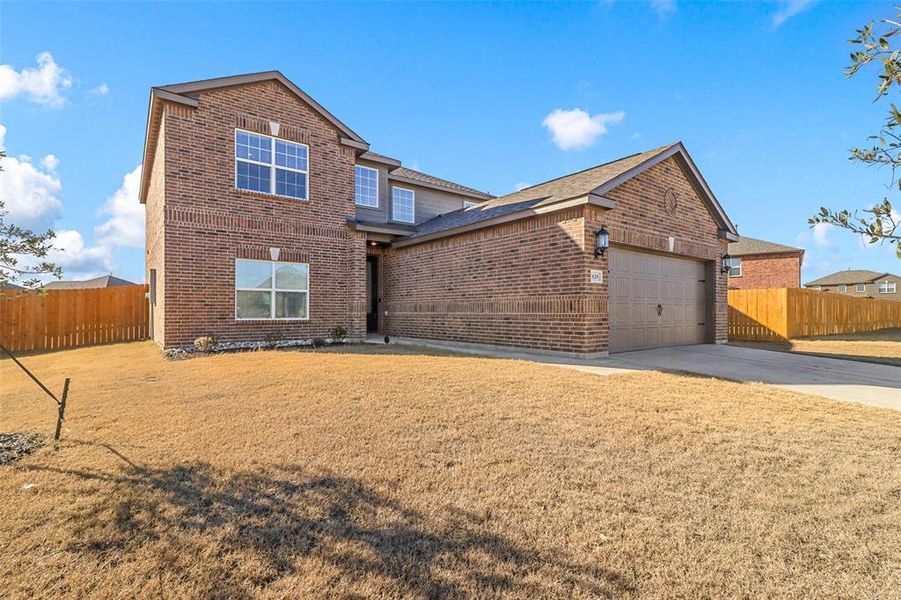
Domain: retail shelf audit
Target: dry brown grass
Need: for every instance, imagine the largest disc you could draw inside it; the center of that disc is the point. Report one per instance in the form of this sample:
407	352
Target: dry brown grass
876	346
304	474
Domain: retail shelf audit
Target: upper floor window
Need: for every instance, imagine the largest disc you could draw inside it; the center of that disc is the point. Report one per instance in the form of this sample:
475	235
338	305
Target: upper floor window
735	269
842	288
270	165
271	290
887	287
366	183
861	287
403	205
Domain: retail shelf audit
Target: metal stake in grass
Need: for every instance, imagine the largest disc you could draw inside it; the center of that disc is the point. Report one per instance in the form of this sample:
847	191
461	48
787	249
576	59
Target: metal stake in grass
60	403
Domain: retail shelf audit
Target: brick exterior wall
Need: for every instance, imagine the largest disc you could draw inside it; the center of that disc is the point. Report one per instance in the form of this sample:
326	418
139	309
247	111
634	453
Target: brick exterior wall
155	234
208	223
768	271
519	284
526	283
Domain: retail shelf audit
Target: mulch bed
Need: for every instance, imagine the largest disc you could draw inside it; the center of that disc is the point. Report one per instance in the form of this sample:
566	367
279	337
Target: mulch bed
14	446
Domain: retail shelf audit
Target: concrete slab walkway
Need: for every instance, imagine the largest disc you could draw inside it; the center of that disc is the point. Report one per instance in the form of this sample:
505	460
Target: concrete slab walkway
837	379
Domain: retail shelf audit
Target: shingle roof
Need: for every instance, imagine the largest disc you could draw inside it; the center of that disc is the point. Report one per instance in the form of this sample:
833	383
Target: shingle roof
847	277
748	245
562	188
106	281
431	180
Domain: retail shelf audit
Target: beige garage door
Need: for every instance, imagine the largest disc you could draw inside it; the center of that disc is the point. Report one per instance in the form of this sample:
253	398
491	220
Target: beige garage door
655	301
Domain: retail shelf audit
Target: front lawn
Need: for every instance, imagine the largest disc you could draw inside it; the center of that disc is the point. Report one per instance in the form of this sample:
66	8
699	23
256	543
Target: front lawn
383	472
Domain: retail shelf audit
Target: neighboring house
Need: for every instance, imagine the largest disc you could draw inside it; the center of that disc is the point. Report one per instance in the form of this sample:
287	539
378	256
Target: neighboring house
761	264
106	281
10	287
270	219
860	283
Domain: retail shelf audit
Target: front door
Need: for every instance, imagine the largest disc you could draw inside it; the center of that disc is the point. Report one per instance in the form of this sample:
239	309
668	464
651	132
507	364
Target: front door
372	294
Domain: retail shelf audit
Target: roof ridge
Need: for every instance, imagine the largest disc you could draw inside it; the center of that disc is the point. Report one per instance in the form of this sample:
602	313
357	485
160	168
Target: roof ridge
597	166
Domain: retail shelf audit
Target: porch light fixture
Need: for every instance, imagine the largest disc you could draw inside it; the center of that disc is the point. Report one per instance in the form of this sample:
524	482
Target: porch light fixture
727	263
602	241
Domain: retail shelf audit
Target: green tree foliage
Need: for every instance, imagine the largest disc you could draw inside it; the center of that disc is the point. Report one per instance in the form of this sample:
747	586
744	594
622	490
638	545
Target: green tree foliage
18	248
878	223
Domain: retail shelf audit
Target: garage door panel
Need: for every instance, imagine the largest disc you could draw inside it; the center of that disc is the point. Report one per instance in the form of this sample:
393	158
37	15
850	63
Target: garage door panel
639	283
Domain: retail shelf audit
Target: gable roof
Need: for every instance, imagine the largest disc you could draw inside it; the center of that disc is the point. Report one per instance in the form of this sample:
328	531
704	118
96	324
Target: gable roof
587	186
847	278
748	245
105	281
180	93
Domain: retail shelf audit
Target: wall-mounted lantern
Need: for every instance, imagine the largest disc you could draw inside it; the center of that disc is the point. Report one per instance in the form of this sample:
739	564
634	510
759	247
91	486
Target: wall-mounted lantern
727	263
602	241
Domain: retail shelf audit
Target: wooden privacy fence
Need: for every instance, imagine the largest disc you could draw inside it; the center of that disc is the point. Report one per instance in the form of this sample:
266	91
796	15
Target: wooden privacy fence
68	318
779	314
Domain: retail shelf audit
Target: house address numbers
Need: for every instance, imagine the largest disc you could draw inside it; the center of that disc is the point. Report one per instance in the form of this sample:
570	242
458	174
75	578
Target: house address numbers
596	276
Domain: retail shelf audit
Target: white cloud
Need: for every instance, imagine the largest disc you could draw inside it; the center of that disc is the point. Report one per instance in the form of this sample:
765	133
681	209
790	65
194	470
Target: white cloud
42	85
522	185
50	162
100	90
125	225
817	235
790	8
575	128
663	8
821	234
31	195
78	260
2	137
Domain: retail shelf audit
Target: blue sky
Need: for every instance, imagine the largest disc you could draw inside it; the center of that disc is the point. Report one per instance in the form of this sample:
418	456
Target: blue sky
462	91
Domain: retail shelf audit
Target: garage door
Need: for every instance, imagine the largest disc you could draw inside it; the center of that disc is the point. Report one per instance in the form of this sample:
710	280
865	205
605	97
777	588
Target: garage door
655	301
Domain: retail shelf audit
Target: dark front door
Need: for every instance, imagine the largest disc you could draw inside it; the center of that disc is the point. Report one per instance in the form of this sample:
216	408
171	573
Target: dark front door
372	294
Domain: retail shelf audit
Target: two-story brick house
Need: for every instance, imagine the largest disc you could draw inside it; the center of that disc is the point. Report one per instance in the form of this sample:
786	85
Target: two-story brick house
860	283
761	264
268	219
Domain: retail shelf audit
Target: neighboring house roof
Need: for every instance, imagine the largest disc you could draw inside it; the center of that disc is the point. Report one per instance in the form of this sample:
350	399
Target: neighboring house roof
405	175
588	186
10	287
847	277
748	245
106	281
180	93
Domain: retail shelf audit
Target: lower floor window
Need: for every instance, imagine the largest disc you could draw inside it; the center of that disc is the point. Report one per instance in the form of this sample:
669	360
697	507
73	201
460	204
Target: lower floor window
271	290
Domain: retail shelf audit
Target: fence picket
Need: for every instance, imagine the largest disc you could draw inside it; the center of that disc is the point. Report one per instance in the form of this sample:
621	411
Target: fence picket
780	313
69	318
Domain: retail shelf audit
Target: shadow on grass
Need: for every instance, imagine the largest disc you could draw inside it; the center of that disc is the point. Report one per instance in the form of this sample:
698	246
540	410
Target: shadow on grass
238	532
787	346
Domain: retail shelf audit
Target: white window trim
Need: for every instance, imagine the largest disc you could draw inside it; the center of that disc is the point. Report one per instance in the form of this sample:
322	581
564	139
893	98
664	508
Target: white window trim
272	166
376	186
889	285
817	288
413	193
273	290
738	258
842	289
861	287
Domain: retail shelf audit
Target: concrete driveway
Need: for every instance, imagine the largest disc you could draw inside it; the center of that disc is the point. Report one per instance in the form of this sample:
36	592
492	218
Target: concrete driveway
846	380
835	378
